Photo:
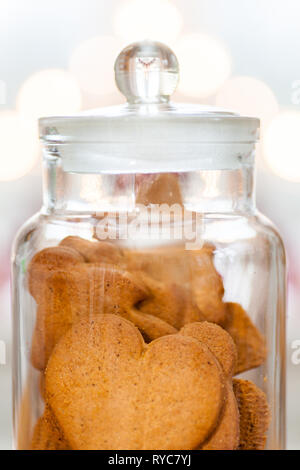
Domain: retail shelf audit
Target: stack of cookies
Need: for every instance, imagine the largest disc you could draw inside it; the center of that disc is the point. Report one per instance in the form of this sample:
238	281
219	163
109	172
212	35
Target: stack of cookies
137	350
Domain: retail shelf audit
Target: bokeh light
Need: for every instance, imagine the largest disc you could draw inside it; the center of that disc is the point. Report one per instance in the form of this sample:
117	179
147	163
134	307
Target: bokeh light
92	63
19	145
205	64
49	92
143	19
249	97
281	145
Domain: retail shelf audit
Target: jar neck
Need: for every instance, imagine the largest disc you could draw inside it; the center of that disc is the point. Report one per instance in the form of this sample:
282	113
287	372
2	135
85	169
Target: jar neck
222	191
229	191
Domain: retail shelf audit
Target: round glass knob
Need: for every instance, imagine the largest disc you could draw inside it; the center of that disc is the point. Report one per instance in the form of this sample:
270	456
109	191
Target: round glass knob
147	72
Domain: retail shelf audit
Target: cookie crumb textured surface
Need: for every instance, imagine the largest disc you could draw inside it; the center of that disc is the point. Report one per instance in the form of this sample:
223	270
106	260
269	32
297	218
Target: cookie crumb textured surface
137	350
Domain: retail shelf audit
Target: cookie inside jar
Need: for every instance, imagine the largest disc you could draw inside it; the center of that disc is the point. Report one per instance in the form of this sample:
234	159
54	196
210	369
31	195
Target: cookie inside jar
125	336
149	292
120	333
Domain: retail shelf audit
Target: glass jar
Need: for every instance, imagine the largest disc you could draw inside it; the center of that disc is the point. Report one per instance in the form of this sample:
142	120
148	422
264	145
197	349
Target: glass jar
149	292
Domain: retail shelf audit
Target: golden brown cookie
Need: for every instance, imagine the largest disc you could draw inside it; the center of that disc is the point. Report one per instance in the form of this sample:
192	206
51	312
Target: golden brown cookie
207	285
166	264
151	327
192	270
109	390
250	343
59	304
226	434
94	252
254	415
162	188
167	301
165	272
65	295
47	433
218	341
190	312
50	260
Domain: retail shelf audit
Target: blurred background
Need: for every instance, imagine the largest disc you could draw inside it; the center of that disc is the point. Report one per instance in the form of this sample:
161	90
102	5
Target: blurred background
57	58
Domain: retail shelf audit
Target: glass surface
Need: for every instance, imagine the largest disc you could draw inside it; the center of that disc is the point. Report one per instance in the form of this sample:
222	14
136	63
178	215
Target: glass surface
149	133
149	293
212	258
147	72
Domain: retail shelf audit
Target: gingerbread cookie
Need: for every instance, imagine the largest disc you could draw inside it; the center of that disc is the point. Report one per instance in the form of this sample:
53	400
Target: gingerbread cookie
65	296
207	285
167	275
226	434
109	390
254	415
159	189
249	341
218	341
50	260
47	434
169	302
192	270
167	264
150	326
94	252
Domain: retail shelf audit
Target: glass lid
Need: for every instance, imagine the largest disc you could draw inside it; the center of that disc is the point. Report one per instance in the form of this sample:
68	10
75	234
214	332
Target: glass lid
149	126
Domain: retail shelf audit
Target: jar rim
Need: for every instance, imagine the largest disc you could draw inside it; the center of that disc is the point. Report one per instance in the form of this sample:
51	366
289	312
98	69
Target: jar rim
166	122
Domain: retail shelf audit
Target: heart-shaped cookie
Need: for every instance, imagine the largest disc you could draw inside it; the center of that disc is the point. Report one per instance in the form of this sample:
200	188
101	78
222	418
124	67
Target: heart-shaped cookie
226	434
109	390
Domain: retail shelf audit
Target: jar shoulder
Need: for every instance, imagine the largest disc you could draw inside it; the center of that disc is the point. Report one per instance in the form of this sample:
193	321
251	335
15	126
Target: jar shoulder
27	236
269	230
250	233
43	230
